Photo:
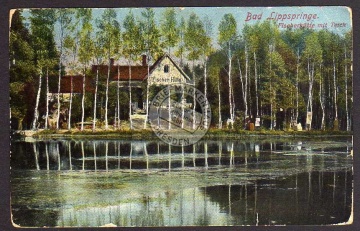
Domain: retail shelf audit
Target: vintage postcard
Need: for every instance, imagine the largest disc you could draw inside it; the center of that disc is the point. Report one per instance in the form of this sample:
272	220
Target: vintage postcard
181	116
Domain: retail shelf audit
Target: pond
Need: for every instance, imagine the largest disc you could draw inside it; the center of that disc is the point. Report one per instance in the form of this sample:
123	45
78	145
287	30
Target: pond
258	181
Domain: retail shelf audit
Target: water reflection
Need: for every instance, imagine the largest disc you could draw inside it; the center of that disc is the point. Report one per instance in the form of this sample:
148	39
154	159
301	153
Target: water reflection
149	183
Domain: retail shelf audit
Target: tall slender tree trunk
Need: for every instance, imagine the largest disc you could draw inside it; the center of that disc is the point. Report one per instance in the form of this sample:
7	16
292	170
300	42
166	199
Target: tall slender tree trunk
47	99
230	88
321	99
246	82
271	94
83	101
95	98
311	83
58	96
219	106
335	88
297	87
130	99
233	102
147	95
256	86
36	111
169	107
70	103
117	122
244	91
205	92
183	101
194	99
107	94
346	95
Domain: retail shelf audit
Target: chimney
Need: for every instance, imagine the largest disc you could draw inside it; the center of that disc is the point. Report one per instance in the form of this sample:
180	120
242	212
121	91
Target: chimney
112	62
144	61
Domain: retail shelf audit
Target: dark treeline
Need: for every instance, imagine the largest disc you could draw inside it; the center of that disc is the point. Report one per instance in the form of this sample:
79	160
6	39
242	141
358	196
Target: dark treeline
281	77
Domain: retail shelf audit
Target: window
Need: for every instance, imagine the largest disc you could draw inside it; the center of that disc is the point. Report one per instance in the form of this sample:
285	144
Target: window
166	69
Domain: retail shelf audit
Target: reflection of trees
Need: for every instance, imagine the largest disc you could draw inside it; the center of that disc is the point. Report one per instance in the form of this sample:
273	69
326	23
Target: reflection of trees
36	154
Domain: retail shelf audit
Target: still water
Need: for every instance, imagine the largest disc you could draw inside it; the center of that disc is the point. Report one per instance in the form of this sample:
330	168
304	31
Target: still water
89	183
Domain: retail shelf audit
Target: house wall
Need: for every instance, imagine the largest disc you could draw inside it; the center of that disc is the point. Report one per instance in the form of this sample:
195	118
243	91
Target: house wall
159	77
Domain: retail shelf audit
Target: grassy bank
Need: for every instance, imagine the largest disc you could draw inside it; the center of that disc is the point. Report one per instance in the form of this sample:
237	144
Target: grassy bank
211	134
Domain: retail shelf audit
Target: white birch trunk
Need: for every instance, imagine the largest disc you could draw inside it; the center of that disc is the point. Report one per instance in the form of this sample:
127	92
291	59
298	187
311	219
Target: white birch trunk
58	94
117	121
246	82
297	87
243	89
346	95
130	99
107	95
47	99
311	82
230	88
271	98
322	103
36	111
70	103
182	105
335	89
256	87
83	101
169	107
233	103
205	93
219	106
194	100
95	98
147	95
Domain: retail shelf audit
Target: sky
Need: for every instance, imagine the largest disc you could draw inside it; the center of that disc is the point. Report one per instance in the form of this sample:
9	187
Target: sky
251	15
334	18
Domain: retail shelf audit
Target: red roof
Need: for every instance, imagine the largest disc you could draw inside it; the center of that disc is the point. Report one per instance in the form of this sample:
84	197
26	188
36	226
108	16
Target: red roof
77	84
138	73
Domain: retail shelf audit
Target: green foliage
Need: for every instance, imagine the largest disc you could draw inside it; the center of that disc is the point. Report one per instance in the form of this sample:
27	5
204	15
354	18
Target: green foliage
227	30
169	29
151	34
132	45
194	37
86	45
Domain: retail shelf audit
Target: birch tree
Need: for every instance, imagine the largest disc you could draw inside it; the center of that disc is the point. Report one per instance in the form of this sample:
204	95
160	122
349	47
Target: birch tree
169	29
71	49
86	50
170	37
151	41
312	58
227	38
64	18
98	57
322	97
131	48
194	37
42	27
347	61
206	47
111	32
180	52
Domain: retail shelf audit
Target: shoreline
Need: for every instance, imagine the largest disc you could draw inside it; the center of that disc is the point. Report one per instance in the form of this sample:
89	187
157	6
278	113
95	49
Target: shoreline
148	134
